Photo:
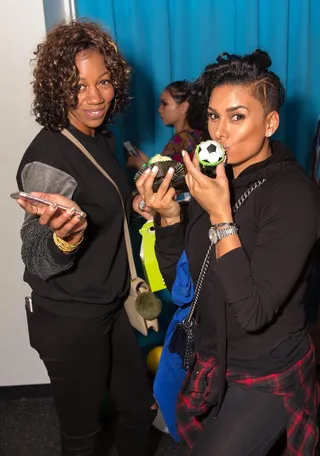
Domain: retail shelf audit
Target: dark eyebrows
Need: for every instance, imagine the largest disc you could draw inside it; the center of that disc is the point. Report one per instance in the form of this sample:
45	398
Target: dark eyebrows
101	75
234	108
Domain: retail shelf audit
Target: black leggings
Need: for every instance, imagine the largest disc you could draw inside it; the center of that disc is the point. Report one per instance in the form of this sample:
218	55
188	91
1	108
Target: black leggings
249	424
84	357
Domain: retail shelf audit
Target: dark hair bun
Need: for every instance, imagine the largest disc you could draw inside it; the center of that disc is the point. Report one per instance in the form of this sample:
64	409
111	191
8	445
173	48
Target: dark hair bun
224	57
260	58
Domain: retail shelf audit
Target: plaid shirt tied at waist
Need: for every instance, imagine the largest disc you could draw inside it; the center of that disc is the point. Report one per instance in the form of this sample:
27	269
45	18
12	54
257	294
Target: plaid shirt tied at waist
298	386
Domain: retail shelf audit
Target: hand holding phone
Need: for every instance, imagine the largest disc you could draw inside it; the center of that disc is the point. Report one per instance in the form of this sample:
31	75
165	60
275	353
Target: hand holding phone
61	214
130	149
29	197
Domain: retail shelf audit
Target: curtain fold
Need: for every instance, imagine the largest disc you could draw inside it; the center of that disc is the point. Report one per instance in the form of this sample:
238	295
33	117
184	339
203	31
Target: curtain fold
167	40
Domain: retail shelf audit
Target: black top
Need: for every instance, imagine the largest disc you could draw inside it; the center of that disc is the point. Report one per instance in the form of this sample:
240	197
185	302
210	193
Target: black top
98	275
251	303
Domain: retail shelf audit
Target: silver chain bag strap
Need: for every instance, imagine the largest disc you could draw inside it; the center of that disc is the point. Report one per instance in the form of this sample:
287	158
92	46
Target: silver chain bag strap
182	340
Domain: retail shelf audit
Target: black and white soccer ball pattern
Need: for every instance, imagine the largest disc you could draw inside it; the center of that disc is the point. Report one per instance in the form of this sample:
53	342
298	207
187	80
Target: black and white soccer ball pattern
210	153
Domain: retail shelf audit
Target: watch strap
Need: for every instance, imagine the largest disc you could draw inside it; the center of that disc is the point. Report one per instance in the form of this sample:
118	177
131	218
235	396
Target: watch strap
228	231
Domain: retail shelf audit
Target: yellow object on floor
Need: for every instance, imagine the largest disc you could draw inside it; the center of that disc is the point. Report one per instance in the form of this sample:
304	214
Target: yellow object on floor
153	359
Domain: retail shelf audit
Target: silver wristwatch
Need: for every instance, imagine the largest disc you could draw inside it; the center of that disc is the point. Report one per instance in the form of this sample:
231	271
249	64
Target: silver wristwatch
216	234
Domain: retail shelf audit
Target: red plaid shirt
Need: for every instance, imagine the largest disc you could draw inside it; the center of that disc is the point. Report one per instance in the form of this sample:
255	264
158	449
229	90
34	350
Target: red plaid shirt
297	385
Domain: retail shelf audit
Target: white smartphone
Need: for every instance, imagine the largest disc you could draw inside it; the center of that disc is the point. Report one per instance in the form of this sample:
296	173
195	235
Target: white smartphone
130	149
28	196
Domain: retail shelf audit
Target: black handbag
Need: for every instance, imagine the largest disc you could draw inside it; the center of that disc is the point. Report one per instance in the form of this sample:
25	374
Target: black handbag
182	339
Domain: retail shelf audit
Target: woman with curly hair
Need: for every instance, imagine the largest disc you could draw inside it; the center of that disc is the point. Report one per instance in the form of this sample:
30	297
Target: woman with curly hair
251	241
77	267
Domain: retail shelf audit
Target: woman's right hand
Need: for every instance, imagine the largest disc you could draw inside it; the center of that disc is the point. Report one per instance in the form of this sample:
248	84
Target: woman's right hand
163	201
65	224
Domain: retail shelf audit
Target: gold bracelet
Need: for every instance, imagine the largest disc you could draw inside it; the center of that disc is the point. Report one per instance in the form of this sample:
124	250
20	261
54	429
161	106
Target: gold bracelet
65	246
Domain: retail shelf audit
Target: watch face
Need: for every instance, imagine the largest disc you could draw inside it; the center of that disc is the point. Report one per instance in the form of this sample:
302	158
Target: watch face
213	235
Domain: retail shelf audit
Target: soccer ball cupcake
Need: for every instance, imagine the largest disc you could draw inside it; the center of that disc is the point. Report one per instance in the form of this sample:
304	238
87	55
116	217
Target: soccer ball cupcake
210	153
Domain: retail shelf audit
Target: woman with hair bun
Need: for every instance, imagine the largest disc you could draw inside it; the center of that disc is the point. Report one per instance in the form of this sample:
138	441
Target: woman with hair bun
177	110
77	267
251	374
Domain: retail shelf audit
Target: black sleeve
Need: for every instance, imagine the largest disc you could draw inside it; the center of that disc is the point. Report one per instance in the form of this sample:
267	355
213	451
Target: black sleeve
256	288
39	253
168	247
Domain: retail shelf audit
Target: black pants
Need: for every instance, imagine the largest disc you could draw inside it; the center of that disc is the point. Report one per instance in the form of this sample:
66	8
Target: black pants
249	424
84	357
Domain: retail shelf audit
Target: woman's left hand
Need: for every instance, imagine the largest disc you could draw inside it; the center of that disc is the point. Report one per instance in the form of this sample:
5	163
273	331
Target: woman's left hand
66	224
212	194
147	212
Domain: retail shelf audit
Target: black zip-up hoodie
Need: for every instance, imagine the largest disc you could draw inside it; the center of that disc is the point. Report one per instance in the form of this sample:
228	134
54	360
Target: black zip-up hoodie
251	304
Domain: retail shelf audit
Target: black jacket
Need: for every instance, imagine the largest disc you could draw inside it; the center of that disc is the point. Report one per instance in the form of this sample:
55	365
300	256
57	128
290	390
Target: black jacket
251	303
94	279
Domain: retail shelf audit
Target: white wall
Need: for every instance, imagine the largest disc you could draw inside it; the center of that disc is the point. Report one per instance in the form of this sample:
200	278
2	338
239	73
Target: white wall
22	27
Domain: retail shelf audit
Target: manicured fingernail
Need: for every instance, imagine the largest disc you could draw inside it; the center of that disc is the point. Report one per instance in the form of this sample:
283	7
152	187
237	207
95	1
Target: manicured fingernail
155	169
183	153
171	170
147	171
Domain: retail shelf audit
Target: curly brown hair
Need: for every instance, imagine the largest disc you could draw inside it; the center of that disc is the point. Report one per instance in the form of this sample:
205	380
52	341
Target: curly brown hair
56	76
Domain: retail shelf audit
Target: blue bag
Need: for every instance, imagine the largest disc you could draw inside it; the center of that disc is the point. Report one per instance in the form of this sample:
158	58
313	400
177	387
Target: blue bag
170	373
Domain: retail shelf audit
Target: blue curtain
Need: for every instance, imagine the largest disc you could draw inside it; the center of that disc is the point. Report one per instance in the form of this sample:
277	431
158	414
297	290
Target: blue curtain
167	40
